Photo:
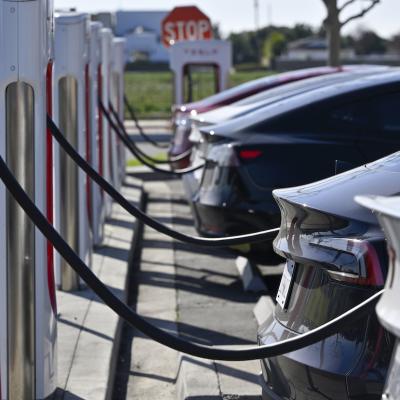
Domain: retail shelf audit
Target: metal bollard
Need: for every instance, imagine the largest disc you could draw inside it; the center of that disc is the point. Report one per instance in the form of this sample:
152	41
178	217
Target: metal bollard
97	199
71	56
106	134
388	213
27	296
117	97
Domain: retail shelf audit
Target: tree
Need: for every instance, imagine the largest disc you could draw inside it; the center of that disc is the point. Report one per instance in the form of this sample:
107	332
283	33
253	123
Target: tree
274	46
333	23
368	42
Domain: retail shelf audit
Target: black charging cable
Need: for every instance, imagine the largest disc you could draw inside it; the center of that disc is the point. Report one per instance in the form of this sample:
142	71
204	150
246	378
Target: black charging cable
267	235
174	342
129	144
122	128
135	119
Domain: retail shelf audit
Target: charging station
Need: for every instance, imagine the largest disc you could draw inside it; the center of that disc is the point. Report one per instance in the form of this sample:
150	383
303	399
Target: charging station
97	210
27	305
117	98
196	56
71	35
106	37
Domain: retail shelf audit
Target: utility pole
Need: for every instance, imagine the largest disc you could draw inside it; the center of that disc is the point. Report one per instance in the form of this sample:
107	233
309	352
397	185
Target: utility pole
257	14
269	14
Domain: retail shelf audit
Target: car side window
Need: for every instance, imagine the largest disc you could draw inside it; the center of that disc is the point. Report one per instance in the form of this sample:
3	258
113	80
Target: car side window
374	115
388	113
352	117
379	114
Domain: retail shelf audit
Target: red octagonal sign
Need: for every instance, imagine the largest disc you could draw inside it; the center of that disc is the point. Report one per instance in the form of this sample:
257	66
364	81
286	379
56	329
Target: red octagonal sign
186	23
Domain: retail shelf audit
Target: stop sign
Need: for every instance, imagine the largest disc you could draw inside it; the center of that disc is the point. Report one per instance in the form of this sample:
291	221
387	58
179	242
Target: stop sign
186	23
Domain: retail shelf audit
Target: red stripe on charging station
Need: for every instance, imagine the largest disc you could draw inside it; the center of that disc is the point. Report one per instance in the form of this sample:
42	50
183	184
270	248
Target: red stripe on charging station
49	187
100	94
88	146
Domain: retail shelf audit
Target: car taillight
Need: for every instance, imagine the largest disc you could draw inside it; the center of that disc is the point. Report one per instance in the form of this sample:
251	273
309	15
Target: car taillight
365	270
370	273
373	268
249	154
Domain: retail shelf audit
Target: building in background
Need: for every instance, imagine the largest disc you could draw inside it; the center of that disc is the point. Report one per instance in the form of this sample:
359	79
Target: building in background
312	48
106	18
313	52
142	31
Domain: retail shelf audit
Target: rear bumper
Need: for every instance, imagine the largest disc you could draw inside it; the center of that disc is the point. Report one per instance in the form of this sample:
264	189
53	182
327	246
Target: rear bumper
336	368
221	221
228	221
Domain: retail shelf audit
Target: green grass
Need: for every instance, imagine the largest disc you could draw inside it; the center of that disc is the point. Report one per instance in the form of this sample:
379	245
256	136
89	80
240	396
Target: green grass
151	93
136	163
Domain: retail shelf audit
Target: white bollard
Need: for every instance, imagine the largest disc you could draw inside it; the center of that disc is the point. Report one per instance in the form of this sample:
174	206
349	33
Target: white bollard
27	295
71	35
97	197
117	97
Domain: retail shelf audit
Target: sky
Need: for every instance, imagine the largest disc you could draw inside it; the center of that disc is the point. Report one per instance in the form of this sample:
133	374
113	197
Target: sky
237	15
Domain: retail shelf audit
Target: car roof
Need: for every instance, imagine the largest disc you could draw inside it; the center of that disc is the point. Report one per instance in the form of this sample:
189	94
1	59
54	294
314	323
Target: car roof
300	100
271	79
270	96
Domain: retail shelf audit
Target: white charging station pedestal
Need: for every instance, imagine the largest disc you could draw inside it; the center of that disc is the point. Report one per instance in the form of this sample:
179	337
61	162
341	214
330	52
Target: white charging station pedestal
387	210
216	54
71	48
117	91
97	197
105	132
27	301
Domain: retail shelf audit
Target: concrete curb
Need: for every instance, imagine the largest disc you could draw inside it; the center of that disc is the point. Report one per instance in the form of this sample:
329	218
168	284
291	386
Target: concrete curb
250	276
263	309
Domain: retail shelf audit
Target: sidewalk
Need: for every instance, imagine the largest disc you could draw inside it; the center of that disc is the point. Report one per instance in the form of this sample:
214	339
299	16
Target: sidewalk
192	292
88	331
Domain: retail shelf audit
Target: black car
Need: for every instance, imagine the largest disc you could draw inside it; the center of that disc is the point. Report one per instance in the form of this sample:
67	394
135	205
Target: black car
336	257
290	142
200	141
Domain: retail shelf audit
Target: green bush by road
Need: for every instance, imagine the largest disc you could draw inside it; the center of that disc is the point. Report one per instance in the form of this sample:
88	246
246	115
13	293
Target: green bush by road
151	93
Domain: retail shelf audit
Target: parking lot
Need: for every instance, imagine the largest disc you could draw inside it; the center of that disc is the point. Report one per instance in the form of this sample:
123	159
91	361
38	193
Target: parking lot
195	214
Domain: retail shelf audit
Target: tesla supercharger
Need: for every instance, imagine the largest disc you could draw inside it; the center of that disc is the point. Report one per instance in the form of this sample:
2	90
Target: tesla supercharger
117	97
71	57
97	210
387	210
200	53
27	304
105	129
